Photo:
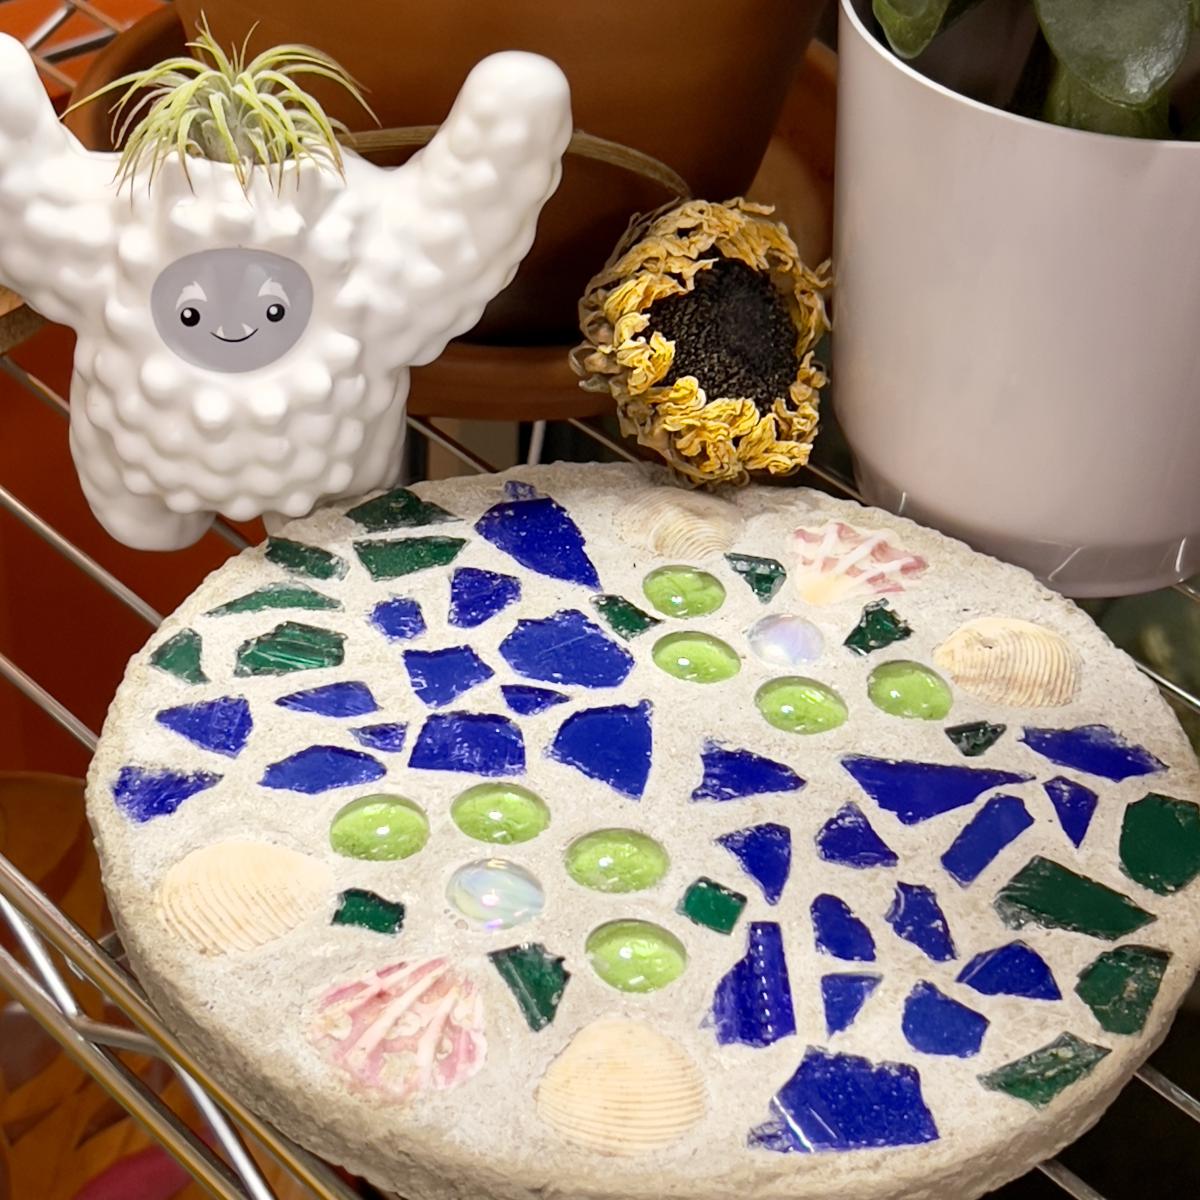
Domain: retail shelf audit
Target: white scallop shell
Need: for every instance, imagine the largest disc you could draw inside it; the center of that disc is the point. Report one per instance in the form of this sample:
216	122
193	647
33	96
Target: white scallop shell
241	895
1008	661
622	1088
679	525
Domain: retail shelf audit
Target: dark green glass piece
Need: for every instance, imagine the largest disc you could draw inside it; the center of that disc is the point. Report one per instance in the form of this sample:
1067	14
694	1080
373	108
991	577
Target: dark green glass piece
389	559
976	737
878	626
398	509
623	617
276	595
1039	1077
1120	987
1160	843
535	977
1048	894
305	560
180	656
289	647
712	905
357	906
764	575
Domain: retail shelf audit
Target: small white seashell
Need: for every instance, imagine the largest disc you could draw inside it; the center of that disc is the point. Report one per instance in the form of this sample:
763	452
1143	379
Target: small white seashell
241	895
622	1088
680	525
1008	661
839	562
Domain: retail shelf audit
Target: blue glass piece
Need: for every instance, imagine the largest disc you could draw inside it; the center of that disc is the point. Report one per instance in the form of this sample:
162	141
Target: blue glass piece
753	1002
477	596
145	792
765	852
474	743
1074	804
1093	749
398	619
517	489
997	824
839	932
935	1024
732	774
916	791
222	726
611	745
844	1102
388	737
526	700
1012	970
350	699
320	769
843	997
917	917
540	535
847	838
566	648
440	676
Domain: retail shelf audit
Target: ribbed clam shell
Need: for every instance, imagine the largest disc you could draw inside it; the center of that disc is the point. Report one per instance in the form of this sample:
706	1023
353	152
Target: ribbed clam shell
622	1088
241	895
1008	661
679	525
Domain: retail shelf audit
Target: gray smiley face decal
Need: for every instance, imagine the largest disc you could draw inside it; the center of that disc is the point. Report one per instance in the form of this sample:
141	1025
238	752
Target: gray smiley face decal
232	310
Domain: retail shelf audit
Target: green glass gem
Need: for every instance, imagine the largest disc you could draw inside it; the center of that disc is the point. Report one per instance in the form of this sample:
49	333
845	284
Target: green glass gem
290	647
1120	987
712	905
624	618
379	828
765	576
696	657
908	689
1039	1077
357	906
616	860
798	705
1048	894
1160	843
398	509
635	956
305	560
683	591
276	595
976	737
879	626
500	813
536	978
389	559
180	656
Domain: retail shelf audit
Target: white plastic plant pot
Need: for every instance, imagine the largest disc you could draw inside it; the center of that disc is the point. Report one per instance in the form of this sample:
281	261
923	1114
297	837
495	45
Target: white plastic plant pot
245	351
1016	323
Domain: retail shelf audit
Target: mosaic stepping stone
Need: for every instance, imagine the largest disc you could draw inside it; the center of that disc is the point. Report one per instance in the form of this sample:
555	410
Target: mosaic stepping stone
539	534
566	648
143	793
734	774
394	558
996	825
843	997
388	736
477	596
290	647
1093	749
934	1023
878	627
179	655
471	743
397	509
222	726
839	932
847	838
368	910
712	905
1120	986
764	576
301	559
1042	1075
321	769
975	737
624	617
1012	970
765	854
526	700
439	677
611	745
916	916
1074	805
350	699
1160	843
274	596
536	978
398	619
753	1002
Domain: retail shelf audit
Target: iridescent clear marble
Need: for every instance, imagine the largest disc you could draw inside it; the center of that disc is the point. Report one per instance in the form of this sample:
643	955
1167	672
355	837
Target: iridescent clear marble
636	956
785	641
908	689
799	705
684	591
696	657
494	893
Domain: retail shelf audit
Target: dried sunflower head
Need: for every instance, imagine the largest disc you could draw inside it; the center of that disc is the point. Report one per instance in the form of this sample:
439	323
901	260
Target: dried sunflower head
702	326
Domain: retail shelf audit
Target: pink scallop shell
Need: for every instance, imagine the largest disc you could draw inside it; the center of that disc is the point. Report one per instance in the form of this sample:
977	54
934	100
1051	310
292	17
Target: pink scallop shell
839	562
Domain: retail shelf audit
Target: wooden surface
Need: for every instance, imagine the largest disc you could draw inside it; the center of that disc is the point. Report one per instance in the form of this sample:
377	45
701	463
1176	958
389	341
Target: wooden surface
17	322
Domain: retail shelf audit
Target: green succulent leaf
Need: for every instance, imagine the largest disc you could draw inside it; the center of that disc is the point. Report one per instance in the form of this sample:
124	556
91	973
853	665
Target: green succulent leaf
1125	51
911	25
1072	103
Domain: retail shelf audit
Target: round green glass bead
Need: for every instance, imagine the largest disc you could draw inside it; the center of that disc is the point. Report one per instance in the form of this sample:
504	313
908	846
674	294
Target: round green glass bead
683	591
636	956
799	705
908	689
379	828
500	813
616	860
697	657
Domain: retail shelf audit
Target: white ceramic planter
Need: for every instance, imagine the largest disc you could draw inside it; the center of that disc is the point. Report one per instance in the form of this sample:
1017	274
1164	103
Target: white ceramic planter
1018	316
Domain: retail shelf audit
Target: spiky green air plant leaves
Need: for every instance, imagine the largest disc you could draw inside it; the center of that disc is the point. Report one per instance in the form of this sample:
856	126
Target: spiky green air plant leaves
911	25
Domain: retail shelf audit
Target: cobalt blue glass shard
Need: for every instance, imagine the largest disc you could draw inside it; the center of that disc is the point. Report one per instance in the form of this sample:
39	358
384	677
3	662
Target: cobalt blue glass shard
526	700
732	774
349	699
843	997
753	1002
844	1102
146	792
473	743
388	736
476	596
222	726
440	676
996	825
320	769
839	932
917	917
611	745
566	648
765	853
1075	805
1093	749
847	838
916	791
398	619
539	534
1012	970
518	489
934	1023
